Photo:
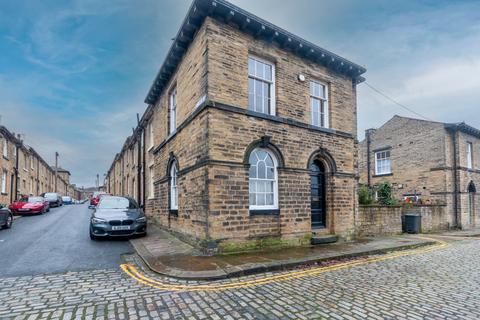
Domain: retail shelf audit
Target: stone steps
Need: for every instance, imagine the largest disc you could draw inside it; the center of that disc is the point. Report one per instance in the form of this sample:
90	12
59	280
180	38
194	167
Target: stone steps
323	239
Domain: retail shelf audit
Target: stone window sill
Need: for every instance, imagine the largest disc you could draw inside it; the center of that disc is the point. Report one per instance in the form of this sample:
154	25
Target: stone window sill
264	212
382	175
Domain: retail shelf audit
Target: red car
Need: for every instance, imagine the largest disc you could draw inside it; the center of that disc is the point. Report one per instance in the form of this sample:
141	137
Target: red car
96	198
35	205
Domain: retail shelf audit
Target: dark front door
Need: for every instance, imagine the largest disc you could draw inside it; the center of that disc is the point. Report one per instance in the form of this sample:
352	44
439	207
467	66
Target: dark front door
317	191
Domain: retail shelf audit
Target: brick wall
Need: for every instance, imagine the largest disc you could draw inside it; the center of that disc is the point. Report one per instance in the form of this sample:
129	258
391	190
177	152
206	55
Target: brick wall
417	153
7	165
376	220
422	161
228	52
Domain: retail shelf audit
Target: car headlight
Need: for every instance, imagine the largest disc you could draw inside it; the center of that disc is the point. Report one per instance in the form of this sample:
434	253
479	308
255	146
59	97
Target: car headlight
142	219
98	220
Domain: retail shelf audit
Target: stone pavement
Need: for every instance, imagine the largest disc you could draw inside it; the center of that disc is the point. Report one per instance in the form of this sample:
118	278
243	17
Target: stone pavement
441	284
463	233
169	256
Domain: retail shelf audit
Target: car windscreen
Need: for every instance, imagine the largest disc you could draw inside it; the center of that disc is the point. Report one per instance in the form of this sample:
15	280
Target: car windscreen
35	199
66	198
51	195
116	203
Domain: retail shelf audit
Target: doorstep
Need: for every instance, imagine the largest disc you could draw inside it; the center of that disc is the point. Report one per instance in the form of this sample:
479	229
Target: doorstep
165	254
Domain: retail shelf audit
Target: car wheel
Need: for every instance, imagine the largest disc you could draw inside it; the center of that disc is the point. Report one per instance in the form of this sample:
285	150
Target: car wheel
9	222
48	210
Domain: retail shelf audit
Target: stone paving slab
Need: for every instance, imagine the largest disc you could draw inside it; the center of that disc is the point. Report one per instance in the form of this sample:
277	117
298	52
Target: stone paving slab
167	255
463	233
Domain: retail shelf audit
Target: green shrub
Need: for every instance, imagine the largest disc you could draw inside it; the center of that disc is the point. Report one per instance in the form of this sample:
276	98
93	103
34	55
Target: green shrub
364	196
384	194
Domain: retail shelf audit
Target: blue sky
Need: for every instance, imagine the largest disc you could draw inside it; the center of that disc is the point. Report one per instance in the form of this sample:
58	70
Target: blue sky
73	74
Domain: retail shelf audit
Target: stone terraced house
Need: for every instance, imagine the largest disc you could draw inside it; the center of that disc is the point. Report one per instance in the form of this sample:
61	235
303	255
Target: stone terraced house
24	172
430	160
249	135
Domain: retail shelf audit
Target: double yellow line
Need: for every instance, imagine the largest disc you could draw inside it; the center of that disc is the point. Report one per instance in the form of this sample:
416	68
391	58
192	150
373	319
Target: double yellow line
133	272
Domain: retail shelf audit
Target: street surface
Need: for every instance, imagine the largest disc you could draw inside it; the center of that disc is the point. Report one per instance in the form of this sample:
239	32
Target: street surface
441	284
56	242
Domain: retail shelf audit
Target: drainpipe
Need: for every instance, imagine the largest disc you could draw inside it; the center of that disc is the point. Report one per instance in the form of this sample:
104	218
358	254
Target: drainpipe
139	170
139	156
369	182
455	179
38	176
144	195
368	136
16	172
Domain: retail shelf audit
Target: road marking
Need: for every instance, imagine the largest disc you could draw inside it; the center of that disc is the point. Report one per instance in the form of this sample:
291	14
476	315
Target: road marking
133	272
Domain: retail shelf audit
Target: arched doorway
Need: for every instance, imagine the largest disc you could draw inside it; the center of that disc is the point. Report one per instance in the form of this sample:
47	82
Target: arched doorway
318	194
471	202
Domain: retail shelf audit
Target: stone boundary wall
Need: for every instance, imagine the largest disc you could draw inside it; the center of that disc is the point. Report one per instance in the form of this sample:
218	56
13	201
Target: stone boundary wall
376	220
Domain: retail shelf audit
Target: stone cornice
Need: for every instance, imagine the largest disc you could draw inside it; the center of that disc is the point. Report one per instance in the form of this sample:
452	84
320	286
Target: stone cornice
226	12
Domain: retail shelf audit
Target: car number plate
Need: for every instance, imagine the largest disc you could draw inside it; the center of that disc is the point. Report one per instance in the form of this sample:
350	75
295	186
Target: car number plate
121	228
22	209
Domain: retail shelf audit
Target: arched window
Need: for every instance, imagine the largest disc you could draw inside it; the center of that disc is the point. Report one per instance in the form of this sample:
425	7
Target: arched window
263	190
173	186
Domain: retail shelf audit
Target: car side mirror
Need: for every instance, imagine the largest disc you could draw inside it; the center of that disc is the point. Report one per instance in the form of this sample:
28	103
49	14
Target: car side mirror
142	206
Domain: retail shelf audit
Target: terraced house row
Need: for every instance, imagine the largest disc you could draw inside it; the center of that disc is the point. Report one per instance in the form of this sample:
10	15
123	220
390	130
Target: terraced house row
249	135
24	172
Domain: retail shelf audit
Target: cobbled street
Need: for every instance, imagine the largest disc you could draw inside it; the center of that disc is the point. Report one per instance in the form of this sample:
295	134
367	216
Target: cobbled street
435	285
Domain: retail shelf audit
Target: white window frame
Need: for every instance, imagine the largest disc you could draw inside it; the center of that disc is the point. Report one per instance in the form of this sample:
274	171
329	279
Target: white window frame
5	147
172	111
25	161
323	101
174	186
275	184
151	193
270	82
134	191
377	169
150	134
469	155
4	181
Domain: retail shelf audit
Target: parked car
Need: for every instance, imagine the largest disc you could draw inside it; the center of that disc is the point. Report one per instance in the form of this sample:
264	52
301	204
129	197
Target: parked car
6	218
96	198
54	199
117	216
67	200
30	205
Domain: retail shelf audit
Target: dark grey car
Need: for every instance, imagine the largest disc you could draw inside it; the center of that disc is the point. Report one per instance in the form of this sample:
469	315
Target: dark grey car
117	216
6	218
54	199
